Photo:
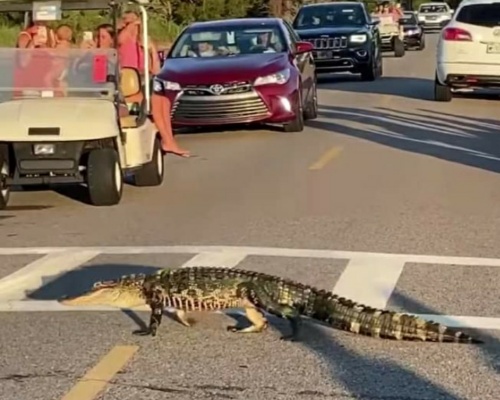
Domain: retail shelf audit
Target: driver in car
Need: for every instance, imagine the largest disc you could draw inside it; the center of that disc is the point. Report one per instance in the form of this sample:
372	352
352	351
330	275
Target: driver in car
263	41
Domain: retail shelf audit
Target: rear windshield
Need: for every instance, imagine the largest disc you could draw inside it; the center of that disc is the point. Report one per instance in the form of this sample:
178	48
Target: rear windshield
487	15
432	9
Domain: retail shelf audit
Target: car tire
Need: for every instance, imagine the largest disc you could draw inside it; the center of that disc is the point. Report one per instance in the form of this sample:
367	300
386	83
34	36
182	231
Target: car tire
441	92
399	47
297	124
369	73
421	45
311	110
4	190
104	177
152	173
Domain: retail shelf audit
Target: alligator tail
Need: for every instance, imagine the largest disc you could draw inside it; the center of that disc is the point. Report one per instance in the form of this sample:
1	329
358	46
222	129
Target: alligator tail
349	316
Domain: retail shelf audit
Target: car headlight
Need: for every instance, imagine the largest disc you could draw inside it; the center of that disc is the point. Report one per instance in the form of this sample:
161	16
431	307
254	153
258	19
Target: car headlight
411	32
357	38
278	78
159	85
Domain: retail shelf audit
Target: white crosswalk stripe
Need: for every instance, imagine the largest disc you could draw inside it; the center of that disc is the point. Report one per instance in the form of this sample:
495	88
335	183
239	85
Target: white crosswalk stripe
369	278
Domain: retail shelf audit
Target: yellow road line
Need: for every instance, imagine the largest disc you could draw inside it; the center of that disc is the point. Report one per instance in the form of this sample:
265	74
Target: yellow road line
94	381
325	158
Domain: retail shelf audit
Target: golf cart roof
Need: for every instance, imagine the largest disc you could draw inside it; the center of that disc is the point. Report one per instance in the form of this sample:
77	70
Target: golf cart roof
65	5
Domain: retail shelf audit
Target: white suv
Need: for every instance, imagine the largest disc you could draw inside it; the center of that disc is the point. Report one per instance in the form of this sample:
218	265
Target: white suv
468	51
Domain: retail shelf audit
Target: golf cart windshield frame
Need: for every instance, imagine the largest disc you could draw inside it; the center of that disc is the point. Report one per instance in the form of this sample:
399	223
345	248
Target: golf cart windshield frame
114	6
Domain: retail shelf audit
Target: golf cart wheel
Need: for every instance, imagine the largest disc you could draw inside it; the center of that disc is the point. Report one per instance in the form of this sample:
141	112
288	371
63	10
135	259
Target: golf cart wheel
151	174
441	92
399	47
4	190
104	177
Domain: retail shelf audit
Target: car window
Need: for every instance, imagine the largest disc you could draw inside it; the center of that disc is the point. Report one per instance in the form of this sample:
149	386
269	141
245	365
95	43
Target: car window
293	34
224	41
330	15
487	15
408	19
432	9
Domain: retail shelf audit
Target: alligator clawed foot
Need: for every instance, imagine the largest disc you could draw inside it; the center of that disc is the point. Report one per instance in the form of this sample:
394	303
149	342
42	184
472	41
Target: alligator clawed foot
288	338
233	328
145	332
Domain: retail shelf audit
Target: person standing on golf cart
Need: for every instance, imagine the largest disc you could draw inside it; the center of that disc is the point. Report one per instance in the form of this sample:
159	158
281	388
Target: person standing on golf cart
131	54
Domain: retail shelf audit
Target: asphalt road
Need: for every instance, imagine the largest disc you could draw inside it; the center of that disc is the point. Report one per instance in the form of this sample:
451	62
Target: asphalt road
383	170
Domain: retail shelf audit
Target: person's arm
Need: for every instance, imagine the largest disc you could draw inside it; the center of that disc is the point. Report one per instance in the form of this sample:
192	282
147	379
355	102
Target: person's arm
155	67
24	40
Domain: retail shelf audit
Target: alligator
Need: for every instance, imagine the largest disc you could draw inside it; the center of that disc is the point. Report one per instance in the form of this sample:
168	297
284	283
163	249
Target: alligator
219	288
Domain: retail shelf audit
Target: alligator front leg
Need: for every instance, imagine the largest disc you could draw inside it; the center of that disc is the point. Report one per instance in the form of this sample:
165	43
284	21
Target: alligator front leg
157	305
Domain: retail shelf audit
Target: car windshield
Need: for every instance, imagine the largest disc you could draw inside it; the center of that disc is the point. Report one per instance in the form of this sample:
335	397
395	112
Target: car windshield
224	41
432	9
408	19
487	15
56	73
330	15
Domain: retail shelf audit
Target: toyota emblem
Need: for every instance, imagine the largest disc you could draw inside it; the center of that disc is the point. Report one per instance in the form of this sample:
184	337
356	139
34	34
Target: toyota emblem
496	32
217	89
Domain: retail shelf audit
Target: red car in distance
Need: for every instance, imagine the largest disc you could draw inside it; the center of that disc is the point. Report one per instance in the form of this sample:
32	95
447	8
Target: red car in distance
240	71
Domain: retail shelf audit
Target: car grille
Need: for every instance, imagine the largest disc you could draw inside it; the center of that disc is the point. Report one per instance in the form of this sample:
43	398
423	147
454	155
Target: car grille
329	43
226	108
228	88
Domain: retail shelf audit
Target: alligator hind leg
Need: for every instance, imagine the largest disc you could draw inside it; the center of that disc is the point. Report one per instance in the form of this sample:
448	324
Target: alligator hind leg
257	320
292	315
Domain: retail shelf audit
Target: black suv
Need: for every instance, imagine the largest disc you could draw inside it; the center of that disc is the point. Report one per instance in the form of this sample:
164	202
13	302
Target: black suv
345	38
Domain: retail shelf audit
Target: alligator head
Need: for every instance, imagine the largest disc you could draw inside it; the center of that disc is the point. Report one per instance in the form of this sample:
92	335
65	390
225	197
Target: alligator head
126	292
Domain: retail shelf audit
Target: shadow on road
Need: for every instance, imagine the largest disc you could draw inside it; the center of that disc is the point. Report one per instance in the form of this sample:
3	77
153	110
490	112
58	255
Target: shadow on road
361	376
463	140
413	88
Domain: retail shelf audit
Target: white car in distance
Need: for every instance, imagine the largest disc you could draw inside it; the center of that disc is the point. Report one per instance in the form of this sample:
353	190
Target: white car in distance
434	16
468	51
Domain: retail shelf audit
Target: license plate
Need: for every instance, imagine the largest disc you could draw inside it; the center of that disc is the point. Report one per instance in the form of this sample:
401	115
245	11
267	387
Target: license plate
321	55
431	18
493	48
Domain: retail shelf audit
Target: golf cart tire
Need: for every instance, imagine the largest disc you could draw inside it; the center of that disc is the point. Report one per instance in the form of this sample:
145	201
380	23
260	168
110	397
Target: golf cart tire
399	47
4	197
104	190
152	173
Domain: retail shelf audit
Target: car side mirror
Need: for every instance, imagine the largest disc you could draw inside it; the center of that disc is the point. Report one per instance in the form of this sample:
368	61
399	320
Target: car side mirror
374	22
303	47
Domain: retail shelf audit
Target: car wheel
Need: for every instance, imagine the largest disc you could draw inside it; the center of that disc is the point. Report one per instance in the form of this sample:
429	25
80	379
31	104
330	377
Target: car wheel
369	73
421	45
399	48
311	111
152	173
104	177
297	124
4	189
441	92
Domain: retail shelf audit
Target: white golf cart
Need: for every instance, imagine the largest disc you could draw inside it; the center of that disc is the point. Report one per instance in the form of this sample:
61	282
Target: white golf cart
60	120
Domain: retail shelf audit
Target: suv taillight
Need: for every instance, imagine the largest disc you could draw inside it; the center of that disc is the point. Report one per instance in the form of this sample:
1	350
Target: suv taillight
456	35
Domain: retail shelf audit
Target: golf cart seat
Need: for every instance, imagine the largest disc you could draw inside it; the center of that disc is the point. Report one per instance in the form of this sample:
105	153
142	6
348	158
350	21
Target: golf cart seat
130	85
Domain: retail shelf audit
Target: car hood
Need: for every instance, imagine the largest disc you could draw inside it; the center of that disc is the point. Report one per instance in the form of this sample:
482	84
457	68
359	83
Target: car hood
330	31
206	71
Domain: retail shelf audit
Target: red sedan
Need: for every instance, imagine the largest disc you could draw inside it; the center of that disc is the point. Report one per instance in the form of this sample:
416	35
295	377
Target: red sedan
240	71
